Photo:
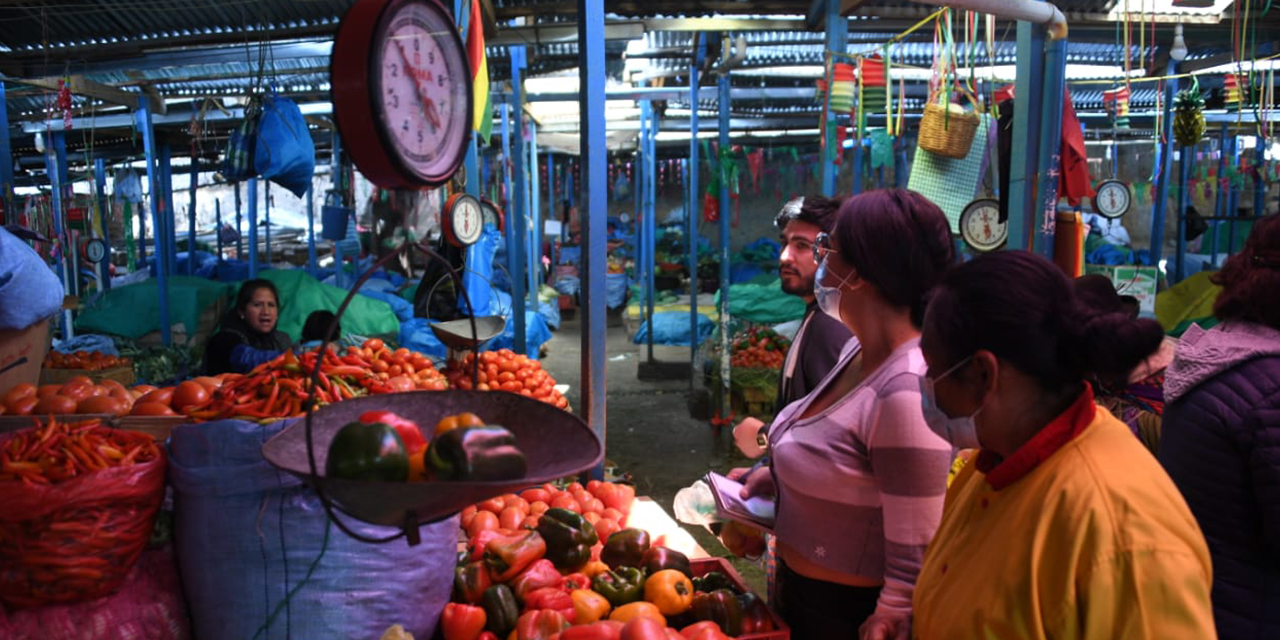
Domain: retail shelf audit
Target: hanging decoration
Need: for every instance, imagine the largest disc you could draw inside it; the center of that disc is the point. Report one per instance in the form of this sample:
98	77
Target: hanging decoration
755	165
873	88
842	87
64	101
1116	104
1234	85
1188	124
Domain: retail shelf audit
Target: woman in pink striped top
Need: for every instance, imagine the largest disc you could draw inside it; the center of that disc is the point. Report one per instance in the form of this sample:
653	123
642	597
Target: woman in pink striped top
859	476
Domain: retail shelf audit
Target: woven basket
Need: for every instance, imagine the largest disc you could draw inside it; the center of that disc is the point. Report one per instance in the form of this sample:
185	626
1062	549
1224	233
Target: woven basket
947	134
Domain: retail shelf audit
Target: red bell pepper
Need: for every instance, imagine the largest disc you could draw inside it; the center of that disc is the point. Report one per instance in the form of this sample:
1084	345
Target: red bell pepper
553	599
470	581
603	630
507	556
480	542
488	635
408	430
541	573
577	581
540	625
462	621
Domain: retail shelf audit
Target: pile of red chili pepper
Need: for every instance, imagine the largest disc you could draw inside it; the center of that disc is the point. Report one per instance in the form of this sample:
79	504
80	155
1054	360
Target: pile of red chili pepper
281	387
60	451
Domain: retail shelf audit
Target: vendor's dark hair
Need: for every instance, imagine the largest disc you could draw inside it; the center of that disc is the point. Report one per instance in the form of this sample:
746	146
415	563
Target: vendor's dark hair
818	211
1250	279
1023	309
245	295
898	241
317	325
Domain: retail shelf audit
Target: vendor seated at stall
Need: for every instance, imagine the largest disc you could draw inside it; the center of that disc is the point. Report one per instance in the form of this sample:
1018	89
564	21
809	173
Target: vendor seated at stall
247	336
313	330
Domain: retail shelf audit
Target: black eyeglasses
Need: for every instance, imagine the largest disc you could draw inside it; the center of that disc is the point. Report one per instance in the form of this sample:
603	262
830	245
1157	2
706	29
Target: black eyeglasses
822	246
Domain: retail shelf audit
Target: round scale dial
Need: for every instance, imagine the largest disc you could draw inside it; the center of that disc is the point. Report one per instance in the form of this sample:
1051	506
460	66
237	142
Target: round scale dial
492	214
1112	198
463	220
980	225
95	250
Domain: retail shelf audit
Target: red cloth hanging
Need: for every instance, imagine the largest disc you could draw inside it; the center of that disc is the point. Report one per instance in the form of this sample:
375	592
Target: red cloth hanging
840	136
1073	179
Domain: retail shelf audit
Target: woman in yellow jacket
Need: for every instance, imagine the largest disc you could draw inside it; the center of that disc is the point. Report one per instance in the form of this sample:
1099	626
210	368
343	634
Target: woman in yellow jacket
1061	526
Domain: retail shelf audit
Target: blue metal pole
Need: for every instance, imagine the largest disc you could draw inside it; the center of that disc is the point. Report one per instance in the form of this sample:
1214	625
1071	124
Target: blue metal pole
836	40
100	185
191	217
59	143
693	211
1166	167
217	220
509	231
266	208
143	116
857	164
1232	145
650	216
519	199
311	230
725	106
1027	133
54	162
535	217
253	228
239	225
591	76
1184	174
1259	185
1050	154
169	219
7	202
900	164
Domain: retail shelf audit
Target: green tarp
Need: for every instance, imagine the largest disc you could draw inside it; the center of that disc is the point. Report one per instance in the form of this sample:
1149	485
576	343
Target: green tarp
300	294
133	311
764	303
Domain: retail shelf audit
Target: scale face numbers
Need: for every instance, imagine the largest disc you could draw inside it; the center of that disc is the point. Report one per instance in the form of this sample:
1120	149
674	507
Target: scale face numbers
1112	199
980	225
95	250
492	214
463	220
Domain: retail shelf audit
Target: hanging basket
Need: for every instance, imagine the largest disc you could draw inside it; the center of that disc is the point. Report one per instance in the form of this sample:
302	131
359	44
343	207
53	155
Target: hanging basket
947	133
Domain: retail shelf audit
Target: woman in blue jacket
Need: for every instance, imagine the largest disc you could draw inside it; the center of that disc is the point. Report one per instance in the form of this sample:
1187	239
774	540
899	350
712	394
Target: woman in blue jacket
248	335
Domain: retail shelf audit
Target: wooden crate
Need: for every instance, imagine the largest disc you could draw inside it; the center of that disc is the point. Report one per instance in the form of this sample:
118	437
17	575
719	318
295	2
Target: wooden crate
122	374
702	566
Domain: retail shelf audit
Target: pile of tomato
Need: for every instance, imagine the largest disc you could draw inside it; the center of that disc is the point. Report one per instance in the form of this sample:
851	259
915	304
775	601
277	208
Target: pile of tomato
80	395
506	370
605	505
759	347
87	360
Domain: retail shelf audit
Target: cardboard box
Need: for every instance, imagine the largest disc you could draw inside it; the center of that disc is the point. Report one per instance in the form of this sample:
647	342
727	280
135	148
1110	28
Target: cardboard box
22	353
1131	280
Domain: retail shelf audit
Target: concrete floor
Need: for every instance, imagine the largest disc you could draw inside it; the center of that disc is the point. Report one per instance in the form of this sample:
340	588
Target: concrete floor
649	431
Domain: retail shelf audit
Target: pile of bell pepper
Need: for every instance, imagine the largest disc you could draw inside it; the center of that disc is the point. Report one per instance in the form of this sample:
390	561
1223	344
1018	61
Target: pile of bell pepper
551	579
506	370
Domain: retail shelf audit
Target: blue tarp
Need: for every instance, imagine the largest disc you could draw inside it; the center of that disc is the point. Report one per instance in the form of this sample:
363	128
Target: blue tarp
203	260
416	334
615	289
672	327
401	307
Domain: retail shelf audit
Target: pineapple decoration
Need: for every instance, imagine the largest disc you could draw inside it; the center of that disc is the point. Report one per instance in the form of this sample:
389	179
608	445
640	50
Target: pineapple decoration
1188	124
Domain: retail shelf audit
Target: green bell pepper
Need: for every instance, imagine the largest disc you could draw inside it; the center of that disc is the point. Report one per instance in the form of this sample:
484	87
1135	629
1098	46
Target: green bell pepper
476	454
362	451
620	586
713	580
501	609
625	548
569	538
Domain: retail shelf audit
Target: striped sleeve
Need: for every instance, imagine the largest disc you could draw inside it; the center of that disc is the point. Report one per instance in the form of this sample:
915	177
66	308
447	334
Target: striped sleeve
910	465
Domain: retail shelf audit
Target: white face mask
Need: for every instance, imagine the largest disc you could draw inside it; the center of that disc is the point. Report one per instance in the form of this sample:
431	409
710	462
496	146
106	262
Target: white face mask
962	433
828	297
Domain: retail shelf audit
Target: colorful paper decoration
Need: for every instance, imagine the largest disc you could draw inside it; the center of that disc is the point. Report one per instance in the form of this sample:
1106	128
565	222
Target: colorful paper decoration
842	87
1234	85
1116	103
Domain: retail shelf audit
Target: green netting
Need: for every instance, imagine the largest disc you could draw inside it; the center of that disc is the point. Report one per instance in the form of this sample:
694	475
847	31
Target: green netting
300	294
133	311
764	303
1189	300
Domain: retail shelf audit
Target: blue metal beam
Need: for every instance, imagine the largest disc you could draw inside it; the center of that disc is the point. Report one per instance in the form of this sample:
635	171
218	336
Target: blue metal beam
519	200
168	218
143	115
1027	113
1184	175
1230	147
506	200
591	77
535	218
266	208
725	204
650	212
311	230
55	166
191	218
217	220
239	226
693	205
1259	183
7	202
1050	151
100	188
253	229
1166	167
837	40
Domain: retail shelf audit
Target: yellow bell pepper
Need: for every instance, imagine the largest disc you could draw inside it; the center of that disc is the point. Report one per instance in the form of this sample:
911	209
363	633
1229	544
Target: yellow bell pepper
669	590
588	606
594	568
628	612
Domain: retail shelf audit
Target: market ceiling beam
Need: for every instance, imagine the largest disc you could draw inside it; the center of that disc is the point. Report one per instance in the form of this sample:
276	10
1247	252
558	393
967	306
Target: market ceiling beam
1191	66
563	32
83	86
188	56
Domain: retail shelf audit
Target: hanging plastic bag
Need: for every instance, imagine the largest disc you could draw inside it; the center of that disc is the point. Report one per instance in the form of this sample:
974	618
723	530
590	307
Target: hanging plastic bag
283	150
241	145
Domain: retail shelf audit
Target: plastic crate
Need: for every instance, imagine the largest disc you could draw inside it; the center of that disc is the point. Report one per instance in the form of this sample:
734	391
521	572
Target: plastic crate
702	566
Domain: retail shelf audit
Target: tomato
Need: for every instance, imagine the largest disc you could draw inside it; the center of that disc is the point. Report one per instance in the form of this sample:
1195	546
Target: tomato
55	405
493	505
395	370
400	383
151	409
610	512
77	390
81	379
401	353
18	392
530	522
512	386
591	517
606	527
508	365
189	394
467	514
644	628
375	344
538	507
143	388
158	396
592	505
208	382
380	366
483	521
566	501
22	406
510	518
535	495
517	502
101	404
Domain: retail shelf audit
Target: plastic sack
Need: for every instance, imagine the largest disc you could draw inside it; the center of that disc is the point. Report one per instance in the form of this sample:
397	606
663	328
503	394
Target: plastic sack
238	163
128	186
284	152
615	289
119	503
536	333
567	285
478	275
672	328
401	307
416	335
695	505
256	549
550	312
147	606
29	291
89	342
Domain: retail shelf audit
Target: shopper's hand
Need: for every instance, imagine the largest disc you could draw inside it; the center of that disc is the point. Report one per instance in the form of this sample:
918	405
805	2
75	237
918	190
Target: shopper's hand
884	626
757	483
737	473
745	436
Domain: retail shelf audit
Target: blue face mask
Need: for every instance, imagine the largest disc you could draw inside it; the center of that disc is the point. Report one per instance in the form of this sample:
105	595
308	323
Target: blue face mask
828	297
962	432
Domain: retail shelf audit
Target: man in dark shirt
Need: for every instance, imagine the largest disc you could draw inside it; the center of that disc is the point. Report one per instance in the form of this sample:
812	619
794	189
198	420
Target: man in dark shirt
820	338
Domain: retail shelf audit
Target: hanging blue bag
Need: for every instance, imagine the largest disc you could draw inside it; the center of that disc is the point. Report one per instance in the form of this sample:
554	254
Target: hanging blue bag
284	152
239	161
